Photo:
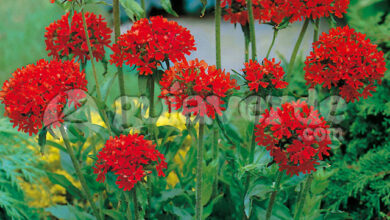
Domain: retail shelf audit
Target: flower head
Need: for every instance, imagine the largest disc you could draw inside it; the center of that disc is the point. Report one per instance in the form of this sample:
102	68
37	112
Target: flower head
268	75
64	39
150	42
345	60
36	94
315	9
196	87
275	11
295	135
130	158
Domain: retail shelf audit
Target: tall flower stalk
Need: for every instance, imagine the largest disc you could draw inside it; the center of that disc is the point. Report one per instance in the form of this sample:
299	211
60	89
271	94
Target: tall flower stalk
76	165
98	92
199	164
273	195
296	49
121	80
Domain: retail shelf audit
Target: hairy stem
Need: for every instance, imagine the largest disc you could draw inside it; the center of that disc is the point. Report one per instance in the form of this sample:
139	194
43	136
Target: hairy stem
199	158
129	215
252	29
276	31
135	203
303	198
273	195
77	168
143	7
121	80
218	32
316	30
296	49
253	141
98	93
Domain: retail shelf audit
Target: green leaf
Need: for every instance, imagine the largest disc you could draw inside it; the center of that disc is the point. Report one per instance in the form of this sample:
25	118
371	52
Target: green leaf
257	190
132	9
166	4
207	182
64	182
68	212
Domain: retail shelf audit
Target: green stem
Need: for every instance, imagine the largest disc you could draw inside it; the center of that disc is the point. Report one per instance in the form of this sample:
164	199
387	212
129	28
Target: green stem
304	195
316	30
253	141
77	168
273	195
199	208
135	203
151	96
247	41
215	156
296	49
121	80
218	32
144	8
98	93
219	66
276	31
129	216
252	29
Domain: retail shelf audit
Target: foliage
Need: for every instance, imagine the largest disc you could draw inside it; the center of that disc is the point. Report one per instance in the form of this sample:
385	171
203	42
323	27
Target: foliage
18	164
360	174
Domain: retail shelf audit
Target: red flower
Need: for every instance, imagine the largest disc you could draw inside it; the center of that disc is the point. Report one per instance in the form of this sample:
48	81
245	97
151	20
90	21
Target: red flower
295	135
314	9
268	75
196	87
151	42
63	39
345	60
36	94
130	158
275	11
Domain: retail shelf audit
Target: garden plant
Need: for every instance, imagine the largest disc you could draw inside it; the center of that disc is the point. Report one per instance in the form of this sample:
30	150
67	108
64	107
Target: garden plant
298	138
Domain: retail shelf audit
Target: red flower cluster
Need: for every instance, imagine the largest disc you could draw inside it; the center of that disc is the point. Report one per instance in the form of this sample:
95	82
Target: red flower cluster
347	61
275	11
295	135
63	39
36	94
130	158
268	75
196	87
151	42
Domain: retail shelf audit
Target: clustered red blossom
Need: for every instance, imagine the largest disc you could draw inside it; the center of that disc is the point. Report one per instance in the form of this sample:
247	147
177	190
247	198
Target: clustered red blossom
275	11
130	158
268	75
150	42
345	60
196	87
63	39
36	94
295	135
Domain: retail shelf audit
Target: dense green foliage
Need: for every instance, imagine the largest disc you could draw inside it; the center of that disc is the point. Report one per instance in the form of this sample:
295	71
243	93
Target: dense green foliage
17	164
361	169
